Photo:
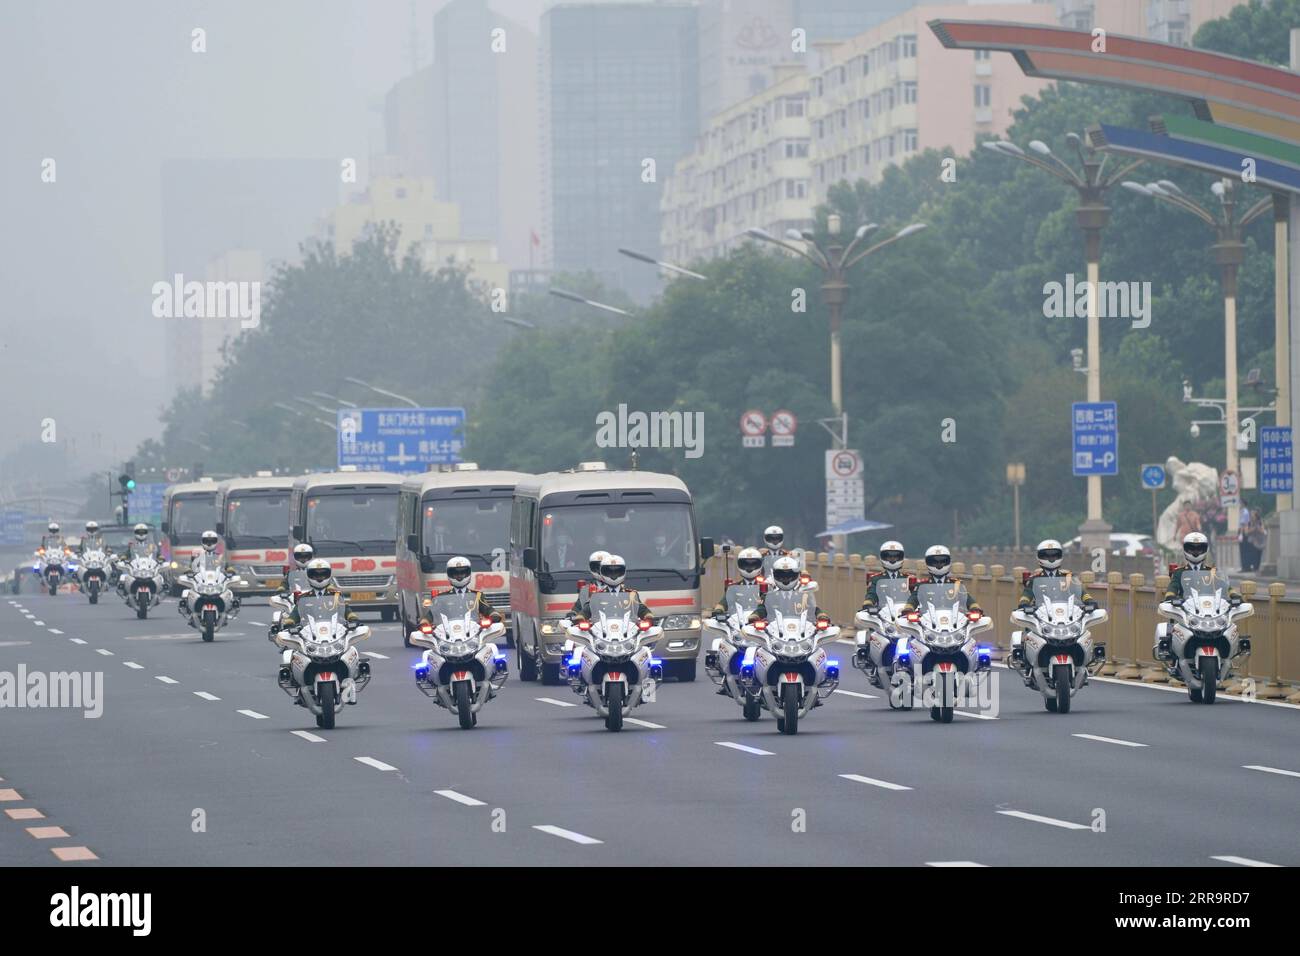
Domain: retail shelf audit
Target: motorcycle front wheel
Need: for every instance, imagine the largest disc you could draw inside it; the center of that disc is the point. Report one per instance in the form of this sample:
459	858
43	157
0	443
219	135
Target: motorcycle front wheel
208	632
1061	677
325	720
142	611
614	719
1209	678
462	705
54	588
93	589
790	709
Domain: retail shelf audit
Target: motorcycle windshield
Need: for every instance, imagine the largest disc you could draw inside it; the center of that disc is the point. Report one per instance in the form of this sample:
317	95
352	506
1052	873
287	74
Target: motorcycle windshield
1057	589
612	605
788	603
742	599
452	606
893	591
1203	590
319	607
944	602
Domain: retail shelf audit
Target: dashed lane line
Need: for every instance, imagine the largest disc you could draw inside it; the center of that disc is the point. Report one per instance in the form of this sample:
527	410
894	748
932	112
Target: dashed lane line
1050	821
1114	740
883	784
307	735
377	764
460	798
567	834
749	750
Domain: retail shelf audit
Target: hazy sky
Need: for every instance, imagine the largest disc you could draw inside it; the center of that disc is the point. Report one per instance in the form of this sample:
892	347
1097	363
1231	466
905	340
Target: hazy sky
110	89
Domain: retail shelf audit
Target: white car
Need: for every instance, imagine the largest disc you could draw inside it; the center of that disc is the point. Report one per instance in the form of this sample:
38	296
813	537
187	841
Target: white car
1124	544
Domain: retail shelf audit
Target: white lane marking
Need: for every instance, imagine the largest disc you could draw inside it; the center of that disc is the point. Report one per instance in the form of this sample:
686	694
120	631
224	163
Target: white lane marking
372	762
14	643
100	650
956	863
854	693
1115	740
557	703
643	723
254	714
305	735
133	665
205	695
567	834
748	750
55	630
1243	861
460	798
884	784
378	657
76	640
39	623
165	680
971	713
1222	695
1255	766
257	623
1050	821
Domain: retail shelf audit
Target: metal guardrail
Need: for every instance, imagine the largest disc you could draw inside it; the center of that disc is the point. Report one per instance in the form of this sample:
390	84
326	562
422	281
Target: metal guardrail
1271	672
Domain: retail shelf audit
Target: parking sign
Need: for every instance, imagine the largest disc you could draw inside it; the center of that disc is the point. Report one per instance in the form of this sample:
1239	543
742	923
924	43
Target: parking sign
1094	427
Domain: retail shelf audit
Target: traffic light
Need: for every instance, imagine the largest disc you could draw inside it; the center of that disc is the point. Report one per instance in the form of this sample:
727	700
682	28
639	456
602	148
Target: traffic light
127	483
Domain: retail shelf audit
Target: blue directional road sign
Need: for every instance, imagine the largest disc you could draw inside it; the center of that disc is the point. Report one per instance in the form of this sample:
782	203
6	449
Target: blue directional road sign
146	502
400	439
1153	477
1275	453
1095	429
12	530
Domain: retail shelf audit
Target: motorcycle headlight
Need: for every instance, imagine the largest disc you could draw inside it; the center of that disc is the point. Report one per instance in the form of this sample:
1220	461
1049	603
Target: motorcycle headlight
681	622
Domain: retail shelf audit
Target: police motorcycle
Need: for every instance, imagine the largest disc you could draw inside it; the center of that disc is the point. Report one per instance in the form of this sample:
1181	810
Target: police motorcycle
791	672
732	648
1053	652
141	584
322	669
462	668
52	564
612	666
880	637
94	572
939	648
208	601
1199	643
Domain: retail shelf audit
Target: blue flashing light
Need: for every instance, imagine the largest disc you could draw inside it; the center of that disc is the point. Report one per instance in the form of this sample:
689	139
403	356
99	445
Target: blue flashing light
900	648
986	651
655	662
834	664
748	659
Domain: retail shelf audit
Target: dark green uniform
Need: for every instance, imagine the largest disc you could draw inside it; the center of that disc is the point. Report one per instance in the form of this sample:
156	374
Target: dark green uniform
580	611
871	600
481	607
911	600
760	612
291	619
1175	590
1027	595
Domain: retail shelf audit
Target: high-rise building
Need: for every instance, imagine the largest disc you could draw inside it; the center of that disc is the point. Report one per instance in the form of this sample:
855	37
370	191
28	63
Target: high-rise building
619	106
213	206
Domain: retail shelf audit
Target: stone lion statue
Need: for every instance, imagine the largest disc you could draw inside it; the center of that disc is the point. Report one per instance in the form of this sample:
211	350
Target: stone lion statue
1193	482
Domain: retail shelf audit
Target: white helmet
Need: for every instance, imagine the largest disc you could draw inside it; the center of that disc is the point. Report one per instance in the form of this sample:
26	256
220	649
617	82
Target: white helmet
53	527
594	562
319	574
1195	548
141	531
938	561
891	555
303	553
773	536
749	563
209	539
92	527
458	572
613	570
1050	553
785	573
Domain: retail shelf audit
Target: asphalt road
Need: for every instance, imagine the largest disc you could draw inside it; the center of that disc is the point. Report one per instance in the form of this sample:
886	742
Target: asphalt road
200	759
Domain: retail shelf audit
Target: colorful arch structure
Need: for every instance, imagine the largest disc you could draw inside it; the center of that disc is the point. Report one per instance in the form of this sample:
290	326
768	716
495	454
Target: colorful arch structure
1245	113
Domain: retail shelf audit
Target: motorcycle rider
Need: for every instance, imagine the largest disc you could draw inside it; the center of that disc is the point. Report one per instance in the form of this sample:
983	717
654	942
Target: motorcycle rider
891	560
458	575
785	577
774	539
749	563
206	559
938	564
53	537
1050	555
582	604
138	547
1196	552
613	572
320	581
92	539
295	582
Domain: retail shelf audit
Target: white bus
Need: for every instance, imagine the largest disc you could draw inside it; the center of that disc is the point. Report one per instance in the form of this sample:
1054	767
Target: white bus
253	521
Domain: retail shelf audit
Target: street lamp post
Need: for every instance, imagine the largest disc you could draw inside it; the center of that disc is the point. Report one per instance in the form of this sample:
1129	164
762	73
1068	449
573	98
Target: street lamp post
380	391
834	260
1016	478
1091	216
1229	252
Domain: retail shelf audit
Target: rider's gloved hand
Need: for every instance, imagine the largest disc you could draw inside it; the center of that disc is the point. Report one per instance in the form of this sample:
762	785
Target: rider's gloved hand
1235	600
719	615
1090	606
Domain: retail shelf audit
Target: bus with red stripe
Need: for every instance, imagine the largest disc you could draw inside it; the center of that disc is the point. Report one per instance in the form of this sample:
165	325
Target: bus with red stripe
188	510
350	519
559	518
441	514
253	521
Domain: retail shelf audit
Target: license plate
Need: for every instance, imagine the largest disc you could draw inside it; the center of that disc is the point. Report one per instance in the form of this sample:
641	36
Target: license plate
362	595
274	583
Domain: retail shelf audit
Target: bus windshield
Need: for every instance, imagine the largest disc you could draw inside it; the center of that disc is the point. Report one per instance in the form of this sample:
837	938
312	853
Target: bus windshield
192	515
650	536
473	527
261	519
351	522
